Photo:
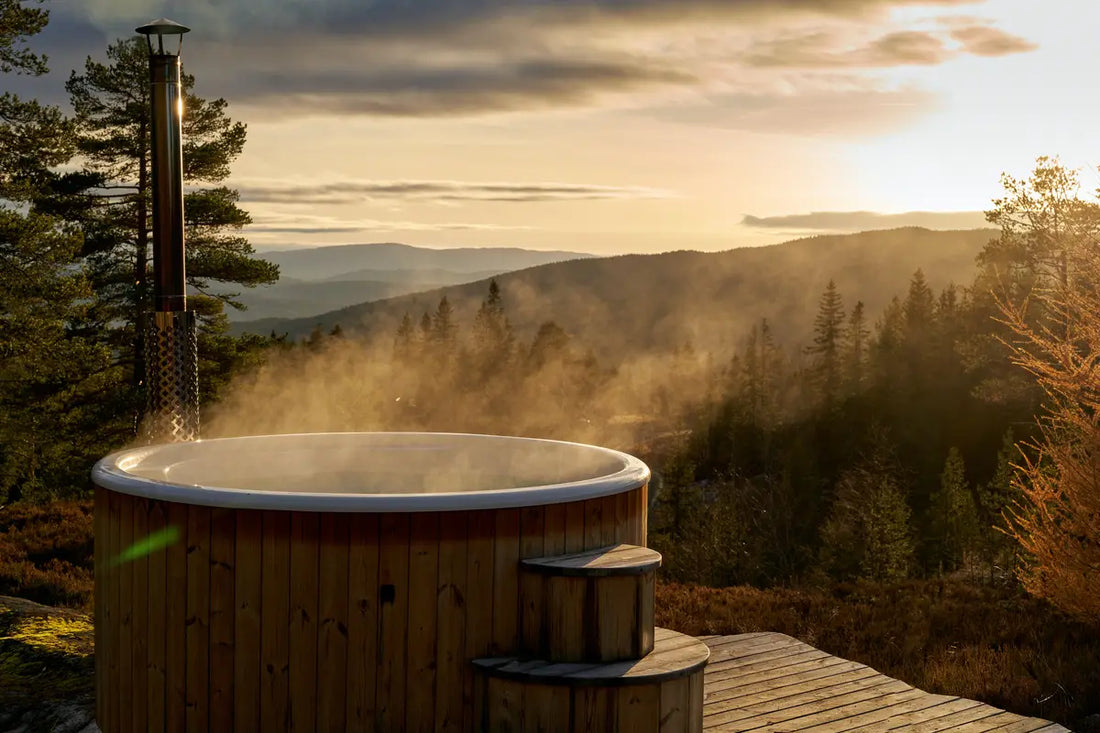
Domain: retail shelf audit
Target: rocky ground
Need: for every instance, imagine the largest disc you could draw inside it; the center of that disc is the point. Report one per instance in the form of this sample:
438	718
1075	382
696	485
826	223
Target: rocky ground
47	680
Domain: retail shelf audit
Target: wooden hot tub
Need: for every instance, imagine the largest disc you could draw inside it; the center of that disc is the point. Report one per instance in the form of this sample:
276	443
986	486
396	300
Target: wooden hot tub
339	581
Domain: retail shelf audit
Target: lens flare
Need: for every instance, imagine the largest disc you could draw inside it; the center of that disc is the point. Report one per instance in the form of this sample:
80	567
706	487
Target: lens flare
148	545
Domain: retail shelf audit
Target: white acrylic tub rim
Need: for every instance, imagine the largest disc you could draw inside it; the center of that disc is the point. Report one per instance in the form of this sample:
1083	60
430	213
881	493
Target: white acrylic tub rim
112	472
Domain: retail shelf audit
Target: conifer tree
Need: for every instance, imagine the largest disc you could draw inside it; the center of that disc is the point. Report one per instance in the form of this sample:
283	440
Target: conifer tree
761	372
444	330
109	198
888	546
867	533
995	498
825	351
954	520
50	374
856	338
403	343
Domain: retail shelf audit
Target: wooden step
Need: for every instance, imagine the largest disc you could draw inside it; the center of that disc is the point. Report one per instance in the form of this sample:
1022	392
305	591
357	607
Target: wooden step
611	560
659	693
594	606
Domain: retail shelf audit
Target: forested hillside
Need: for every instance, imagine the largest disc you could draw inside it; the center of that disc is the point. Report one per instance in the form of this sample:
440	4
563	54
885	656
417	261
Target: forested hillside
636	304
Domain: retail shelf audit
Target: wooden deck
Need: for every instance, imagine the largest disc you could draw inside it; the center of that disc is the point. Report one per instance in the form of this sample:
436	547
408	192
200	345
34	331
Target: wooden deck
771	682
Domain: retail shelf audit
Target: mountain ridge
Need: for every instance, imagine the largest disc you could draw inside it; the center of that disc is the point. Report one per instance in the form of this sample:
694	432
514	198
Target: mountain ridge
633	303
322	262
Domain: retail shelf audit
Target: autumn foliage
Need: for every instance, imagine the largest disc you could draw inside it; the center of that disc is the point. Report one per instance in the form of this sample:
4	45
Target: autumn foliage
1057	520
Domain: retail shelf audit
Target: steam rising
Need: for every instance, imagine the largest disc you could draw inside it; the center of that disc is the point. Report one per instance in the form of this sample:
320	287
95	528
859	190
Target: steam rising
374	464
548	390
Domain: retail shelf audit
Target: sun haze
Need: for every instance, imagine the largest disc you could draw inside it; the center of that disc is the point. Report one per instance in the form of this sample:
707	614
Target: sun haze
643	126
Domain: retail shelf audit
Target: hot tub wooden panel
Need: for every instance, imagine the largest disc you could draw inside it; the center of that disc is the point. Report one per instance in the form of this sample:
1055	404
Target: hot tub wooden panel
273	620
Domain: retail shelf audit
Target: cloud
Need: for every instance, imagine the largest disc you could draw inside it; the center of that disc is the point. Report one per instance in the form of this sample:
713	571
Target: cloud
384	18
289	223
983	40
822	50
850	109
474	88
445	58
354	192
842	221
819	50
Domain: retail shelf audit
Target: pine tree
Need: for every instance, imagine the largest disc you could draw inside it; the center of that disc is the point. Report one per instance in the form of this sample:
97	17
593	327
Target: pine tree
444	330
856	337
867	533
825	351
110	200
51	418
551	344
954	520
425	330
995	499
760	374
919	307
493	337
18	23
403	344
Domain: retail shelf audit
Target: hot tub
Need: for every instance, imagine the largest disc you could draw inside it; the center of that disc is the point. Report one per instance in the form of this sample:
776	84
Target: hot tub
336	581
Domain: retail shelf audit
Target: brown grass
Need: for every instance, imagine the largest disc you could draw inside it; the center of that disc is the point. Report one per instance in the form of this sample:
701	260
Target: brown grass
948	637
46	553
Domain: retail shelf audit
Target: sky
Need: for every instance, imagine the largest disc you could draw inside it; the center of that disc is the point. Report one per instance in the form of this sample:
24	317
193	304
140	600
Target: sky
612	126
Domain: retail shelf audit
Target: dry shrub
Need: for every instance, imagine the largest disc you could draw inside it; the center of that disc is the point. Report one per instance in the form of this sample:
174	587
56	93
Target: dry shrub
46	552
990	644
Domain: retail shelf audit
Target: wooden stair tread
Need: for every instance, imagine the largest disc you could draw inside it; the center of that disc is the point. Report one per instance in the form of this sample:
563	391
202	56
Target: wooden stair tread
618	559
674	655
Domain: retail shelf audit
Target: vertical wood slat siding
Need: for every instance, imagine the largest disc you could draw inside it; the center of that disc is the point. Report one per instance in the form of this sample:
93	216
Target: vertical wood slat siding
175	622
100	519
223	525
480	527
126	610
114	577
593	524
332	629
275	613
452	596
532	544
157	606
198	619
362	622
139	690
666	706
216	624
423	604
554	541
247	622
505	581
304	570
393	577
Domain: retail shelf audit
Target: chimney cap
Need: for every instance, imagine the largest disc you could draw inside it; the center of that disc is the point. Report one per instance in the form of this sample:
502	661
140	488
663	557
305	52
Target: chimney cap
162	27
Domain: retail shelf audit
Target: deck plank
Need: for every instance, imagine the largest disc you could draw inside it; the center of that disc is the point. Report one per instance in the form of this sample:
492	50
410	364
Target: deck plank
997	720
814	679
767	682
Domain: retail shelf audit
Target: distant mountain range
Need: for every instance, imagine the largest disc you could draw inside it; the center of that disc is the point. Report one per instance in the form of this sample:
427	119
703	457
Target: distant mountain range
633	304
320	279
